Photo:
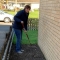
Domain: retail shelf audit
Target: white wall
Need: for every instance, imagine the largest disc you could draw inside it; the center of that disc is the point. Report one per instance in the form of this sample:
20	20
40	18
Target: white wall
34	6
49	29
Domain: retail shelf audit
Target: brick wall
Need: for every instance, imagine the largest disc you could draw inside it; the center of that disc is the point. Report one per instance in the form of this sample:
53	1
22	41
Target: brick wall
49	29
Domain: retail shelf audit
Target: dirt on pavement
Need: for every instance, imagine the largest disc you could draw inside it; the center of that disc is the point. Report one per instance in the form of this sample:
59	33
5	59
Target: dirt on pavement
32	52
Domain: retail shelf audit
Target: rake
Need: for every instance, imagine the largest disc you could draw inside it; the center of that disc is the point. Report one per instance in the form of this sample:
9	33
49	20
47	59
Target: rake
26	35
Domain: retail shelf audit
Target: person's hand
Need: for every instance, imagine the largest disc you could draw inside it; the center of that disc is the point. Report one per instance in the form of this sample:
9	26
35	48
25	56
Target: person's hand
24	30
22	22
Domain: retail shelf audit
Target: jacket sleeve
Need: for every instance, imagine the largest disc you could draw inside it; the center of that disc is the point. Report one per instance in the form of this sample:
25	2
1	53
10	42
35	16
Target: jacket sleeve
16	17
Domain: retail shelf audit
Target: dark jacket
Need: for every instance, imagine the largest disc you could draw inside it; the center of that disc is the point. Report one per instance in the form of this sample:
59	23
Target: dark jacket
20	16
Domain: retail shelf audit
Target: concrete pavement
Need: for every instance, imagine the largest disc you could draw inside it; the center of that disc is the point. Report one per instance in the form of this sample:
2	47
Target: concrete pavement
3	30
2	23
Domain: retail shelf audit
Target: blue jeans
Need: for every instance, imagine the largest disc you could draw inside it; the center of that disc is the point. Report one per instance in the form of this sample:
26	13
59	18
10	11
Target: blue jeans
18	34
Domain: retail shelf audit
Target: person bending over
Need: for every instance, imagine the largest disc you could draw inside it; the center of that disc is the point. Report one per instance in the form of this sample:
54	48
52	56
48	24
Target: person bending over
20	23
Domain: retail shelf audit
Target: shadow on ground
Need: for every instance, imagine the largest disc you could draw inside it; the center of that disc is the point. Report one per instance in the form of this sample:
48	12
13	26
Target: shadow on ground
32	52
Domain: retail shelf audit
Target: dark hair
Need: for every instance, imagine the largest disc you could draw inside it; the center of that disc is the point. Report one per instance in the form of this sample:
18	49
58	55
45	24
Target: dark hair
27	7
